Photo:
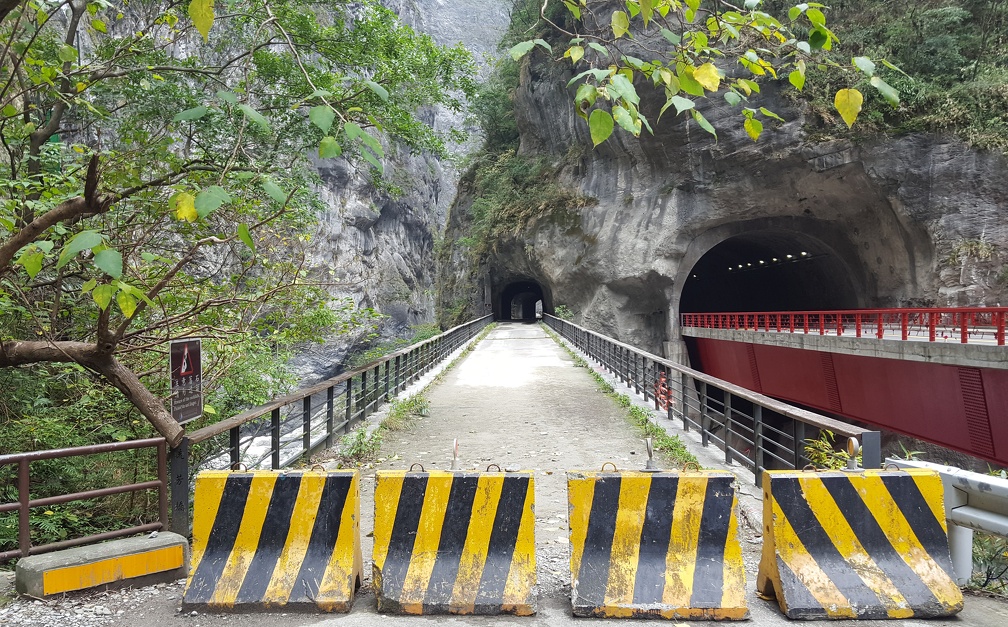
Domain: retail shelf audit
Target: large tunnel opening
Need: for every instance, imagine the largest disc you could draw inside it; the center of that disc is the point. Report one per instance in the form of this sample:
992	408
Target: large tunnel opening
769	271
521	300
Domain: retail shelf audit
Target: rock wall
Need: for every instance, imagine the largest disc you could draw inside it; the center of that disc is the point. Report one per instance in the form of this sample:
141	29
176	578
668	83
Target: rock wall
914	220
377	250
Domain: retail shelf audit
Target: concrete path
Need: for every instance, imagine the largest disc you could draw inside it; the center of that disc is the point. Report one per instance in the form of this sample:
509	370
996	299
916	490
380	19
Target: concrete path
518	401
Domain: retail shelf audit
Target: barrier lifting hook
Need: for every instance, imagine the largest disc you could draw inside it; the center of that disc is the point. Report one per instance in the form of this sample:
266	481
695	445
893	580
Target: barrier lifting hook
651	465
454	465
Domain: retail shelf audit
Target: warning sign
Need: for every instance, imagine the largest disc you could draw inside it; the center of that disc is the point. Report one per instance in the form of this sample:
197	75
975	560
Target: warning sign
186	380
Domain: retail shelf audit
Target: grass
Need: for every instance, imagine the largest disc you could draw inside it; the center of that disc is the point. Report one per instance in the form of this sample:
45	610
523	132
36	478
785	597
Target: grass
671	445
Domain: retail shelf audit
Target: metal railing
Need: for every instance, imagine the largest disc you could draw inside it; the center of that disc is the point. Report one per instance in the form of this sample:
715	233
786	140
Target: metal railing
966	325
292	428
753	430
25	503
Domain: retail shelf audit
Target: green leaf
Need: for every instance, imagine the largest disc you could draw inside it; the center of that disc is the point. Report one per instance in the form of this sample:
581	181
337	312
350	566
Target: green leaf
681	104
574	53
817	39
624	89
865	65
110	262
378	90
191	114
88	286
99	26
208	200
689	84
797	79
887	91
732	98
370	158
254	116
704	124
600	124
102	295
329	148
599	48
585	98
848	103
67	54
322	116
543	43
625	120
273	191
10	111
82	241
201	12
673	38
32	261
521	49
245	236
770	114
816	17
127	303
647	10
794	13
620	25
227	97
753	127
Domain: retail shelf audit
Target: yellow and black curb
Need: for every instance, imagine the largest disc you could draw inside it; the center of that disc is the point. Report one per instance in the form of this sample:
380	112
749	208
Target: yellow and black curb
655	544
868	545
263	539
454	542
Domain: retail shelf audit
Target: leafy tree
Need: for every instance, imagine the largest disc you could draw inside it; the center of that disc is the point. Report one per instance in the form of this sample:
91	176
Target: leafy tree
157	177
690	49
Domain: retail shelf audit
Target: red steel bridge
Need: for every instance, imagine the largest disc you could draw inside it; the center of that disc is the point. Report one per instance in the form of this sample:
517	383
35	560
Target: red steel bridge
940	375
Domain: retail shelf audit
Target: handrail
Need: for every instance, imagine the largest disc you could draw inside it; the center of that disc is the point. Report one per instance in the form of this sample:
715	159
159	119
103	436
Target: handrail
713	405
25	503
933	324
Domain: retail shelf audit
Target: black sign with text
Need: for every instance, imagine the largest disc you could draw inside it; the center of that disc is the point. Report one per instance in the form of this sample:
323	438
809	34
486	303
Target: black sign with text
186	380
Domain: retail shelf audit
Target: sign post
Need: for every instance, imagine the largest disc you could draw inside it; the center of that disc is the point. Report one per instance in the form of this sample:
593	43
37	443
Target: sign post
186	380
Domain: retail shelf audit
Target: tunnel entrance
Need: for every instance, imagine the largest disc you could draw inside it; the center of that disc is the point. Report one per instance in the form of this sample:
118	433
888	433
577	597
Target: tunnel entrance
769	271
521	300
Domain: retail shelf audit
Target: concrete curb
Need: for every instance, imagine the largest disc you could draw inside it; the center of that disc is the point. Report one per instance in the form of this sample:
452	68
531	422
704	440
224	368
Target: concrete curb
157	558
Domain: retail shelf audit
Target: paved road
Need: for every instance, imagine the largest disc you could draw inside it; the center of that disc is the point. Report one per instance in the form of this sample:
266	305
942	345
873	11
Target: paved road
517	401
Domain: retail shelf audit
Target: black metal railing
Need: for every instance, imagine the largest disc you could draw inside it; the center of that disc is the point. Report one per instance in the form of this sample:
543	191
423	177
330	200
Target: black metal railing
753	430
290	429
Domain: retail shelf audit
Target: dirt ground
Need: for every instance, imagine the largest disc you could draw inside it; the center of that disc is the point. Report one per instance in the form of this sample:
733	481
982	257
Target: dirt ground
516	401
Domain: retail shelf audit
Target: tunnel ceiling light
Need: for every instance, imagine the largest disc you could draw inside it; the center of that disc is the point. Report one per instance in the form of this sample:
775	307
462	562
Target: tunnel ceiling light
804	254
761	262
740	265
776	259
790	256
749	265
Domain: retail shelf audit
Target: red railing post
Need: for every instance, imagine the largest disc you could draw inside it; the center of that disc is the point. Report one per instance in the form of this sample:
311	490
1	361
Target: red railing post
999	321
791	322
857	324
932	326
905	324
880	332
766	322
963	327
805	322
839	324
24	514
778	317
822	324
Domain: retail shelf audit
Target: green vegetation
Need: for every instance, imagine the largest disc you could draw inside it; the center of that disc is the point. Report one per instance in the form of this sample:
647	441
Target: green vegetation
563	312
421	332
672	445
822	452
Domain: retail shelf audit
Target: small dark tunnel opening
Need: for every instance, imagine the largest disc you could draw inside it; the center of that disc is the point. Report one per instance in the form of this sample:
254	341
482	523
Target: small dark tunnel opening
521	300
769	271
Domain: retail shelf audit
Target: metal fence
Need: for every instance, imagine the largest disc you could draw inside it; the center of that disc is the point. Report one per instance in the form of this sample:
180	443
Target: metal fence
25	503
753	430
290	429
962	324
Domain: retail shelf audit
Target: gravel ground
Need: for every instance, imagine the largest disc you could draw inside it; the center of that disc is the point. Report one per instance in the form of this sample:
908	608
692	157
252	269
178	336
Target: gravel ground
515	401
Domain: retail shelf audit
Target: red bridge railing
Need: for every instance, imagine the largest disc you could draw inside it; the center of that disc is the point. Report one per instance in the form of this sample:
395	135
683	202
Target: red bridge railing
975	324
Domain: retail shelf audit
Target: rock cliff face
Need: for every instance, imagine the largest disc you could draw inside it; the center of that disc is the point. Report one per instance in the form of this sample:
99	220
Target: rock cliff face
803	224
378	250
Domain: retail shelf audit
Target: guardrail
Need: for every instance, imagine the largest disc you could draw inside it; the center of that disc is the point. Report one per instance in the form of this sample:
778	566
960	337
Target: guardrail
25	503
973	501
314	416
754	430
966	325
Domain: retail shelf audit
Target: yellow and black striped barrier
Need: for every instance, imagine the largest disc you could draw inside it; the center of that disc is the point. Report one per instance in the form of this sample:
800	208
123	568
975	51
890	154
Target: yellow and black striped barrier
655	544
869	544
454	542
266	539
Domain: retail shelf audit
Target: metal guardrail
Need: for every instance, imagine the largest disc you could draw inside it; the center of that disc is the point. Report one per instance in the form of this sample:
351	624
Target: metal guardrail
973	501
964	324
754	430
25	503
314	416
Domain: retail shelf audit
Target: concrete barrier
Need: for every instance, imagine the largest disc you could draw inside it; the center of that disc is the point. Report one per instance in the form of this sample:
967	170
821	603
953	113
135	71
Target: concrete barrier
264	539
454	543
130	561
655	544
864	544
